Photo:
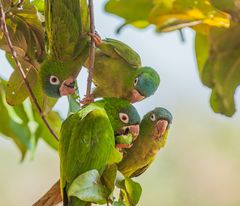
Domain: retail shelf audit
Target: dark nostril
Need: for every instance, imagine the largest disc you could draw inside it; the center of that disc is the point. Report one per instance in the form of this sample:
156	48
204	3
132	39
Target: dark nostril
126	131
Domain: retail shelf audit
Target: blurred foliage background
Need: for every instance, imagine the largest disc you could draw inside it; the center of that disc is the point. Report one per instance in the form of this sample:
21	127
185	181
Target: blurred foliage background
200	164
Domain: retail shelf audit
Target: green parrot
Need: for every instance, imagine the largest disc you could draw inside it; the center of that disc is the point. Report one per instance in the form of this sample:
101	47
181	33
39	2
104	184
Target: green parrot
118	72
67	25
87	139
152	137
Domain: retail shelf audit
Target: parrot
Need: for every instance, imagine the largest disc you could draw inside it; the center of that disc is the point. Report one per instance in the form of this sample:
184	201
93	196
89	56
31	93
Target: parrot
152	137
87	139
67	25
118	72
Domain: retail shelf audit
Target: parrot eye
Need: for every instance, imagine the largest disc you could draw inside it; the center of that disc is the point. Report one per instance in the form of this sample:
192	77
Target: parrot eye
153	117
124	118
54	80
135	81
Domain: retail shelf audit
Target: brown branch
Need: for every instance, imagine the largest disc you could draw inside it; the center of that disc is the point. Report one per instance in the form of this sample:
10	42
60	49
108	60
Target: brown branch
92	50
20	69
52	197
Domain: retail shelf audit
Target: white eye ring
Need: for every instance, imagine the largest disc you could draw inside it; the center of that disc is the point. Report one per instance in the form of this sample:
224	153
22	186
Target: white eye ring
153	117
54	80
135	81
124	117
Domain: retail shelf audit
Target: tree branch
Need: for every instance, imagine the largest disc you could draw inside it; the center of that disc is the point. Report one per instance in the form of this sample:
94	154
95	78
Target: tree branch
92	50
20	69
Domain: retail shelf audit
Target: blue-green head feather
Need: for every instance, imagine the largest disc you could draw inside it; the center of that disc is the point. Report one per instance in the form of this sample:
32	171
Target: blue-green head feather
147	81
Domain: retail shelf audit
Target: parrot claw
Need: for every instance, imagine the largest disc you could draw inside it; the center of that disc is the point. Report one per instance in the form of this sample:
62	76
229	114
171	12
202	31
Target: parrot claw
96	38
87	100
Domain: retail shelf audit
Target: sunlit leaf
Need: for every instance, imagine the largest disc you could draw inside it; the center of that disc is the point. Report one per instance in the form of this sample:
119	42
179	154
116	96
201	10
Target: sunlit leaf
185	13
88	187
169	15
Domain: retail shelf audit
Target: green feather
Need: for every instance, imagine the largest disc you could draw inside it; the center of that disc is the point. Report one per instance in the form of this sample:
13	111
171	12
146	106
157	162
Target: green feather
87	140
117	68
67	27
139	157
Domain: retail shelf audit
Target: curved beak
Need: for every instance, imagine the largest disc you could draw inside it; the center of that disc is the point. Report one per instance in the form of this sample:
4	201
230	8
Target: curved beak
67	87
160	128
134	130
136	96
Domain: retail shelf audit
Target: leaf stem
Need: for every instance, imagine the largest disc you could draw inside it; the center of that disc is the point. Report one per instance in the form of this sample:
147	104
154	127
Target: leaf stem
92	49
20	69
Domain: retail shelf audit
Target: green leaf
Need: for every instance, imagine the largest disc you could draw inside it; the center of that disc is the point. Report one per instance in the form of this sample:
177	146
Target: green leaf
130	191
43	132
221	71
201	50
133	190
16	91
88	187
109	177
73	102
126	9
18	132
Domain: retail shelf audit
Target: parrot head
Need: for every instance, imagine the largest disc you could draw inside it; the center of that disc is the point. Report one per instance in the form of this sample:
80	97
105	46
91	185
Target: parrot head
55	79
124	118
158	121
145	84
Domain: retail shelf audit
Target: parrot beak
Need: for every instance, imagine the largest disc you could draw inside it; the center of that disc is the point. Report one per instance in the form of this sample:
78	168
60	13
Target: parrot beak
134	130
160	129
67	87
136	96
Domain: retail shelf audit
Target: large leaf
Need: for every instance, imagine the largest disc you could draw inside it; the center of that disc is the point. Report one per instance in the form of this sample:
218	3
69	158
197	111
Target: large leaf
183	13
23	124
11	128
221	71
25	21
16	91
168	15
88	187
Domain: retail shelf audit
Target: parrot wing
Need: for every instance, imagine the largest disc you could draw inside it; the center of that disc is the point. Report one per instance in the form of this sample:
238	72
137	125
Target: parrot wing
63	23
124	51
140	171
87	142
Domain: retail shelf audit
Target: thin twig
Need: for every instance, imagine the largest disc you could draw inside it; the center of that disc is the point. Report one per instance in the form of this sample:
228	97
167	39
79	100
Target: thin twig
20	69
92	50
